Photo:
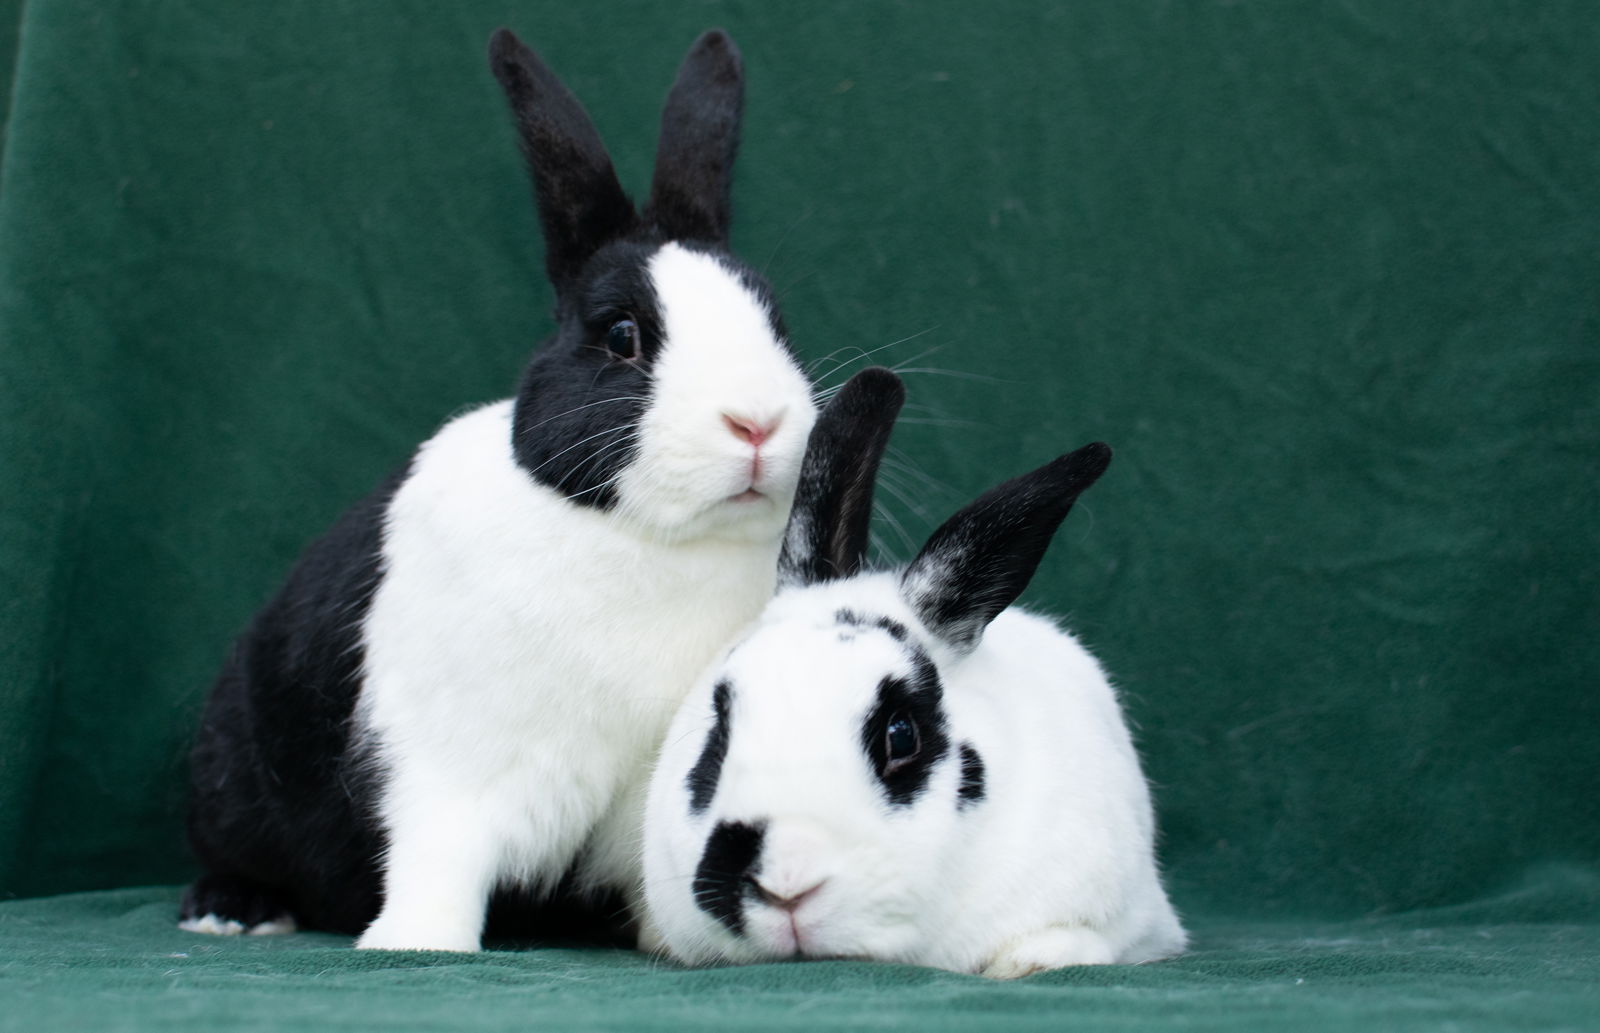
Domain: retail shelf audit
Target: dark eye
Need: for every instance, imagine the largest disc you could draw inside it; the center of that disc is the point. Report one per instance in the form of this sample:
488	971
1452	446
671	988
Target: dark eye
901	741
622	340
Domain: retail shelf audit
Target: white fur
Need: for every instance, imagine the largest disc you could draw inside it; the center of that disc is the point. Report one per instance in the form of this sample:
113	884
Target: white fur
524	654
215	925
1054	867
212	925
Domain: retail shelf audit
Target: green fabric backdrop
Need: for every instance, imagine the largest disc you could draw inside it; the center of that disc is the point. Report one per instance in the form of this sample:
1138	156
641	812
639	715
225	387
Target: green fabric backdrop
1326	276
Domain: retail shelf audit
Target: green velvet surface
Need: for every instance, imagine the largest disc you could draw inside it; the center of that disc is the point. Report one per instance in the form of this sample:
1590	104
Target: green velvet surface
1524	959
1327	277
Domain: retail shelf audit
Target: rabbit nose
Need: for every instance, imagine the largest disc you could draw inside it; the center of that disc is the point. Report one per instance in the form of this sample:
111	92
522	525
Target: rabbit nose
786	902
749	430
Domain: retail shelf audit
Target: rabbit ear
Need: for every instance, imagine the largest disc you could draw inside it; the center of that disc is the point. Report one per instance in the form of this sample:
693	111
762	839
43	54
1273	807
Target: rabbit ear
689	196
981	559
581	204
827	535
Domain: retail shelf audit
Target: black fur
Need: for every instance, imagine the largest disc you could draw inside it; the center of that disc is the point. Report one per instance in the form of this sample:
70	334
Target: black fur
828	527
280	805
981	559
577	412
920	699
727	871
581	204
240	900
972	790
707	771
689	197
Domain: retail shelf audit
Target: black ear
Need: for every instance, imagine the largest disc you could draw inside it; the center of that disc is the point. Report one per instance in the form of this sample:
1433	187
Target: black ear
581	204
981	559
827	534
689	196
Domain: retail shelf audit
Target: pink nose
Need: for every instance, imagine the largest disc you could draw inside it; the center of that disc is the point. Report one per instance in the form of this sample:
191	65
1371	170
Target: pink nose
750	431
786	902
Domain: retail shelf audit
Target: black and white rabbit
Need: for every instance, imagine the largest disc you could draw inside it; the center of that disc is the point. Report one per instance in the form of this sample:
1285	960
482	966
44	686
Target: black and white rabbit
461	686
900	765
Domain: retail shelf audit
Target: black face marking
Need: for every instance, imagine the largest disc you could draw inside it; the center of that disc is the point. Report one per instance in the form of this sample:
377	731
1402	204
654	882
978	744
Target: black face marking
576	423
896	630
727	872
703	777
972	789
906	706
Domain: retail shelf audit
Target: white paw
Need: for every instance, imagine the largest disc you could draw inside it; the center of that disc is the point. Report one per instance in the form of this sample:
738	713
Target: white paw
1055	947
211	925
275	927
385	934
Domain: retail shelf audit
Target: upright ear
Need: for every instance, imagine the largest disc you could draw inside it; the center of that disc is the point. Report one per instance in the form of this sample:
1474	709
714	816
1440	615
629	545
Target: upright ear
827	534
581	204
981	559
689	196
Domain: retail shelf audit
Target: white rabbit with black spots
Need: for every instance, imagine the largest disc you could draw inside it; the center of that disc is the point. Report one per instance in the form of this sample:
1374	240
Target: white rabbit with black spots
901	765
457	693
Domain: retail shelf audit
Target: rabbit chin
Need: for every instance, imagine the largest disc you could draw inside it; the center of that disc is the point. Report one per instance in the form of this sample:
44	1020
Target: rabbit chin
829	930
740	515
772	934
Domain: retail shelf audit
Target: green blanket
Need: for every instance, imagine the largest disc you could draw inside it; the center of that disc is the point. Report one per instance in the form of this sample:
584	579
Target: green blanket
1524	959
1326	276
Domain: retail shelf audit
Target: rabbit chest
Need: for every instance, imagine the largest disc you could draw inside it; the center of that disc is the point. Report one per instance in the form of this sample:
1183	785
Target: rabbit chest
524	655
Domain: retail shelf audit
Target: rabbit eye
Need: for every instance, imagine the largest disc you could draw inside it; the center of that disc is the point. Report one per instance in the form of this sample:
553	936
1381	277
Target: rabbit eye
622	340
901	741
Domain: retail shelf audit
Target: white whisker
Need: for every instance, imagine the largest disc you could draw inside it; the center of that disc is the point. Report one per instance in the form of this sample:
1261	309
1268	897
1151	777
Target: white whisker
575	444
589	405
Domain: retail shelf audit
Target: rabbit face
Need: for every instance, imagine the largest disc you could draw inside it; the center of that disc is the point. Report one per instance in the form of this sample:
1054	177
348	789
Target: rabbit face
815	783
681	408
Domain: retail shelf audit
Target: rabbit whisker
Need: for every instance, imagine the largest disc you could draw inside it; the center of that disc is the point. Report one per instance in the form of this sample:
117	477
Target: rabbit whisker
901	495
956	373
590	405
894	525
575	444
864	354
899	462
793	224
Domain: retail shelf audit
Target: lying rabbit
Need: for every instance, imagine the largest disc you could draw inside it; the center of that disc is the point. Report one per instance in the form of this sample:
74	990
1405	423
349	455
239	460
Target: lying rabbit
900	765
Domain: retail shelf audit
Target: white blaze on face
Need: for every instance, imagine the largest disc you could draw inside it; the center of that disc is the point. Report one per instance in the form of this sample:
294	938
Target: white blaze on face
720	361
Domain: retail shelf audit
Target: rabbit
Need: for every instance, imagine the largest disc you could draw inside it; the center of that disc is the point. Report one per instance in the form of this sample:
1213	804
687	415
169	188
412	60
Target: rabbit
901	765
457	693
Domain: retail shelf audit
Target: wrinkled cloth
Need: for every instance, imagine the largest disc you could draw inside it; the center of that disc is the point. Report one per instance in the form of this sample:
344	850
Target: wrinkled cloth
1326	278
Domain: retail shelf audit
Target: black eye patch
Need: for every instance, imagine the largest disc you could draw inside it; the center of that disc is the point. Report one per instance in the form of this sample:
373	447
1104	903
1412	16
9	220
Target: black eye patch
620	288
707	771
916	700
